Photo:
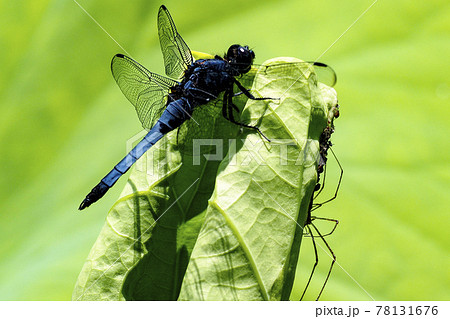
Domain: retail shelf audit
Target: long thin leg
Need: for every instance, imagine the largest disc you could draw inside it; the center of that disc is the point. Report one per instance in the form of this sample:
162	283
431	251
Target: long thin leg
235	107
249	95
335	221
337	188
315	263
332	263
227	112
225	105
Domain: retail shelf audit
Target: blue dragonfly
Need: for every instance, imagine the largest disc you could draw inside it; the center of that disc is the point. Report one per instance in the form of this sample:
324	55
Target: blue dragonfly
165	103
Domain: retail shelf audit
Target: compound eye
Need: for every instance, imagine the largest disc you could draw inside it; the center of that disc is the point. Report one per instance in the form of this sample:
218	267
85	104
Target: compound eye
233	51
247	50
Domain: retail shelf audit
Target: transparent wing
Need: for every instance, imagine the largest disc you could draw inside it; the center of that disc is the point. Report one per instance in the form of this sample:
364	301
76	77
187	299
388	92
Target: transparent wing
324	72
176	53
146	90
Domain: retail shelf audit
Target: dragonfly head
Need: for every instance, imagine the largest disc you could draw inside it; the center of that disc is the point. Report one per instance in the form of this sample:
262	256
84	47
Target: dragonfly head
240	58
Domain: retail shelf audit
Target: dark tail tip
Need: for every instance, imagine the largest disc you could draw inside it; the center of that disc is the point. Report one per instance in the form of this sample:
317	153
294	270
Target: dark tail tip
96	193
83	205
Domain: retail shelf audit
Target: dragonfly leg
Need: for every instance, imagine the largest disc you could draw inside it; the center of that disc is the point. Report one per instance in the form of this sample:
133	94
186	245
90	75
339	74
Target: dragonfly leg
227	109
250	95
235	107
227	112
225	105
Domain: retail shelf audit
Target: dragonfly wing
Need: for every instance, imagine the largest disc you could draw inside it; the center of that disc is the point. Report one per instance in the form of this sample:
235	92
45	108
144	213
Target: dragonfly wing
176	53
324	72
147	91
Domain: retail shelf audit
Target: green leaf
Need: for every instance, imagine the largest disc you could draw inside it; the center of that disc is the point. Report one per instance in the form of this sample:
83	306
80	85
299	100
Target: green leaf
248	246
144	248
64	124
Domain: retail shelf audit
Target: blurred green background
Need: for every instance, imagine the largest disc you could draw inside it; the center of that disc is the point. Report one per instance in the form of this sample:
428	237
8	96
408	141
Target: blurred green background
64	124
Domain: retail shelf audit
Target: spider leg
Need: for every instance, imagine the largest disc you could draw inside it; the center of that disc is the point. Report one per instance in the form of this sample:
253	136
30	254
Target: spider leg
332	263
315	263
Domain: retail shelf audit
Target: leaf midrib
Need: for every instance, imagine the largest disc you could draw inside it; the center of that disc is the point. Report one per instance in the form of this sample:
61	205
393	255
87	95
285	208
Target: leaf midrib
246	250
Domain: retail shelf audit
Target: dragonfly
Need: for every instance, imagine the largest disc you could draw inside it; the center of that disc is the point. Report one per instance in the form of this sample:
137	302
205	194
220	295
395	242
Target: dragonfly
164	103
